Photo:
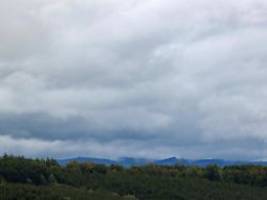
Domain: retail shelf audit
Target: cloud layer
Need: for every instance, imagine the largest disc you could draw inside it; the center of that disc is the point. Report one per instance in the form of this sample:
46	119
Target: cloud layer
134	78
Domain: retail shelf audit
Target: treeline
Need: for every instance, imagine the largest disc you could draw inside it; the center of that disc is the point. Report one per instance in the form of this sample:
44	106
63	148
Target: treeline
146	182
48	171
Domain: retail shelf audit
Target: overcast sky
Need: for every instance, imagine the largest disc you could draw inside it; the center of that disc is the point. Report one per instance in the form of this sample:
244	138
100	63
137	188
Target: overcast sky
154	78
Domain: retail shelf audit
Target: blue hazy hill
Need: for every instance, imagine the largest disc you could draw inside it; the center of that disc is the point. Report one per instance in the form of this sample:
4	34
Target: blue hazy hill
129	161
85	160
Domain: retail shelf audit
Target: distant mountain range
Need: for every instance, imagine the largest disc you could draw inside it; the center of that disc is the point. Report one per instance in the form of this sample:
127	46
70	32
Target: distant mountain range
128	161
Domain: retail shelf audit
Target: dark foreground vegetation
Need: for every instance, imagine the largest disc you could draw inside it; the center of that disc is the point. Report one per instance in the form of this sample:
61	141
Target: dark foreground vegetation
28	179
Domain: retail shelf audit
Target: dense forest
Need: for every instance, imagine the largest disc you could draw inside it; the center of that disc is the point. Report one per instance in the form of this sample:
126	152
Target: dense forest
37	179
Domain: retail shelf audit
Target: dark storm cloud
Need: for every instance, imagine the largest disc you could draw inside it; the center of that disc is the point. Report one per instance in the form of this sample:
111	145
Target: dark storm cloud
115	78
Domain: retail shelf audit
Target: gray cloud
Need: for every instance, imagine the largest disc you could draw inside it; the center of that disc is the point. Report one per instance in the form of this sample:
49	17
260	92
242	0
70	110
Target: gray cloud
115	78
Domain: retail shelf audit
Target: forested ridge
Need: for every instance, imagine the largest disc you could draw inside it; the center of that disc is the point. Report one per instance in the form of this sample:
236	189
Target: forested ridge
23	178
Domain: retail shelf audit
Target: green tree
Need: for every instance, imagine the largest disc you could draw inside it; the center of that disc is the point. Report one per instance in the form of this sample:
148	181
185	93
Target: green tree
213	173
52	179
